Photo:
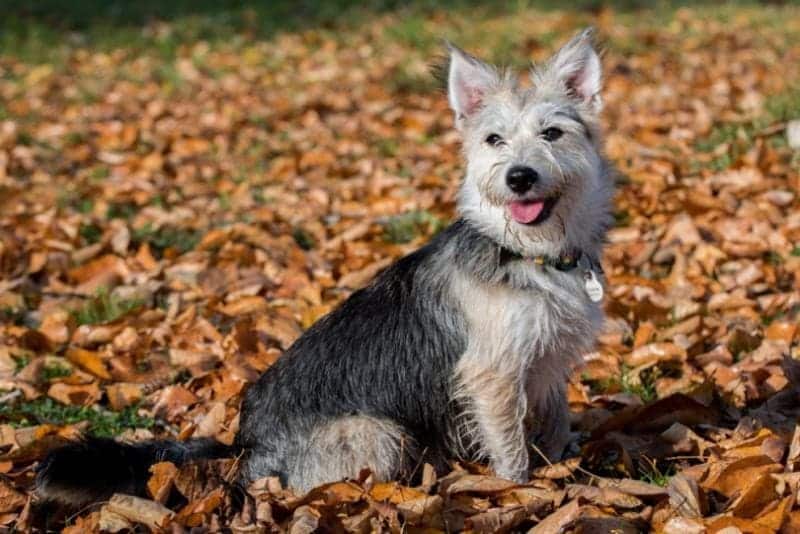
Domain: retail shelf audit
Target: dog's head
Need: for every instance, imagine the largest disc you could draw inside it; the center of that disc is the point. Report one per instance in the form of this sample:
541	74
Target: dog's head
536	179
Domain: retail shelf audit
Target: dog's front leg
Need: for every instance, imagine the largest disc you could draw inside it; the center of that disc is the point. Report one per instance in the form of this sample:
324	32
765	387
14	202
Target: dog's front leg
547	420
497	409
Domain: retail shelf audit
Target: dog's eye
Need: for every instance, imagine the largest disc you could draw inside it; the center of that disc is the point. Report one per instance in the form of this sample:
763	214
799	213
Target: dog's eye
493	139
551	134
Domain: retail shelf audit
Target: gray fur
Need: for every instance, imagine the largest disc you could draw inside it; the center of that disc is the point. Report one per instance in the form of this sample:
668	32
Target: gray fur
464	352
462	348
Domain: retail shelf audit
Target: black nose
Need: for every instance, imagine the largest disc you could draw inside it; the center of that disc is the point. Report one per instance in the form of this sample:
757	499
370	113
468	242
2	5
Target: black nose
521	179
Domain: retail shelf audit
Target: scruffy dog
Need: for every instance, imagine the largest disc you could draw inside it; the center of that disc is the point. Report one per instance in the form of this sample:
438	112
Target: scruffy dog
461	349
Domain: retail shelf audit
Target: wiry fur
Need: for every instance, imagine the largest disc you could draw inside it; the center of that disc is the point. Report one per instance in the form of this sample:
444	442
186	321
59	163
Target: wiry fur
462	348
95	468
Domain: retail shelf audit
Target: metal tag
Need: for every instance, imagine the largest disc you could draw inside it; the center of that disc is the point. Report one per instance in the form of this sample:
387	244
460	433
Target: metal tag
593	286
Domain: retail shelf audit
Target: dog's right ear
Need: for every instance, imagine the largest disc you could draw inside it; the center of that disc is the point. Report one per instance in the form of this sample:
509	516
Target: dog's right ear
469	80
575	70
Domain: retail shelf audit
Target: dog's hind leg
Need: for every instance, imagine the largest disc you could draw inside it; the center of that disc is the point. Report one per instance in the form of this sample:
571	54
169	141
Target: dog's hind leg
342	447
547	419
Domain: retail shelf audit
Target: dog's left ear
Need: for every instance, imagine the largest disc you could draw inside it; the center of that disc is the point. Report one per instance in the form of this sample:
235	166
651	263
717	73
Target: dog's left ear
576	69
469	80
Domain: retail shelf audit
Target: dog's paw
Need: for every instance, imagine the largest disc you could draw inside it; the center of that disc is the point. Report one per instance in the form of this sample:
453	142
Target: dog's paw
518	472
520	477
558	444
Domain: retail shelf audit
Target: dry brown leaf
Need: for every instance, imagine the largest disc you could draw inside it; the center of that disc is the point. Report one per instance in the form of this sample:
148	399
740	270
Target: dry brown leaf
555	522
337	493
425	510
245	306
637	488
480	485
654	353
607	496
497	519
731	525
559	470
357	279
81	394
161	479
123	394
685	497
194	513
394	493
304	521
89	361
112	522
11	500
734	477
755	497
682	525
138	510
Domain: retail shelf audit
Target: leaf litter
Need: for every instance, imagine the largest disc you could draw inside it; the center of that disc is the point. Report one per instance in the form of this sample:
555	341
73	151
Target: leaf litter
170	224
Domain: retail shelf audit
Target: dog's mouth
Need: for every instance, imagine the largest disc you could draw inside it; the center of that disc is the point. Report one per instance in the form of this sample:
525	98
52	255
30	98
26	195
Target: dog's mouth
531	212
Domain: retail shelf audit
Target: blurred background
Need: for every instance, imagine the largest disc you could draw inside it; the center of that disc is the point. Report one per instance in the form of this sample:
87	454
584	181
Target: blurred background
185	186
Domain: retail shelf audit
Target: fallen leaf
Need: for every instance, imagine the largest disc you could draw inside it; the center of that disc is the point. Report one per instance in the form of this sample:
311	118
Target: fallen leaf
161	479
89	361
555	522
138	510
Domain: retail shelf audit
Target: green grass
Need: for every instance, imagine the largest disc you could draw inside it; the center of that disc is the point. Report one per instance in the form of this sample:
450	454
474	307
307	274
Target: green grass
405	80
45	29
167	237
388	147
16	316
72	200
784	106
642	386
622	218
104	308
773	258
20	361
91	233
259	197
121	210
53	371
650	472
740	137
48	30
99	174
102	422
404	228
303	239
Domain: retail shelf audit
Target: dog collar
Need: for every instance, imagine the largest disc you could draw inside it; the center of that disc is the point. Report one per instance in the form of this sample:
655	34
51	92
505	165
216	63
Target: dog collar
590	269
564	262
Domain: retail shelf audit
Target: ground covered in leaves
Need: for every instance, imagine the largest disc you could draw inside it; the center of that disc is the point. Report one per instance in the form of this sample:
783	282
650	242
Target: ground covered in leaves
176	210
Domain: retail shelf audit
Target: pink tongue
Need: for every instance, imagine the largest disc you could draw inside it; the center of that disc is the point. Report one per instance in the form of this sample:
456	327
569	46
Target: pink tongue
525	211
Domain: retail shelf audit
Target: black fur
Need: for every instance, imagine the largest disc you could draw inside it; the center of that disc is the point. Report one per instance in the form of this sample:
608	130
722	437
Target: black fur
381	353
94	469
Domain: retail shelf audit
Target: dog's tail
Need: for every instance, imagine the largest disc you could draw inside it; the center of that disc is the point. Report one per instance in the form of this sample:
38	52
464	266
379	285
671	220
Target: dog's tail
93	469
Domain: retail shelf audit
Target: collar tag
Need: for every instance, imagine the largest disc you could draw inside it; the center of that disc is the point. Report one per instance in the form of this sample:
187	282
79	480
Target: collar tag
593	286
591	283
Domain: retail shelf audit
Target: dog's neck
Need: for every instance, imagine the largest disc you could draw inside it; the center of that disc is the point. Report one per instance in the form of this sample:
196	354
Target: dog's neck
563	262
492	262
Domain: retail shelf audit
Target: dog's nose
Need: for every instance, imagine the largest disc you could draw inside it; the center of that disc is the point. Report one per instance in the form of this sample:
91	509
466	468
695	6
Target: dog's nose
520	179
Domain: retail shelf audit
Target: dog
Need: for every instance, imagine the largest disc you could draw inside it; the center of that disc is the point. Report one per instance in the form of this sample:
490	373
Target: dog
459	350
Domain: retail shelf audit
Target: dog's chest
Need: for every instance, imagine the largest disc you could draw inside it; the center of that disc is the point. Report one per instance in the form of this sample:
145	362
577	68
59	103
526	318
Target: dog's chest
510	329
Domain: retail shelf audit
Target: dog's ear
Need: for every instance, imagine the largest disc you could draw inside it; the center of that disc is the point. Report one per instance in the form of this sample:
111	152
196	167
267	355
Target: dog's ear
468	82
576	69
